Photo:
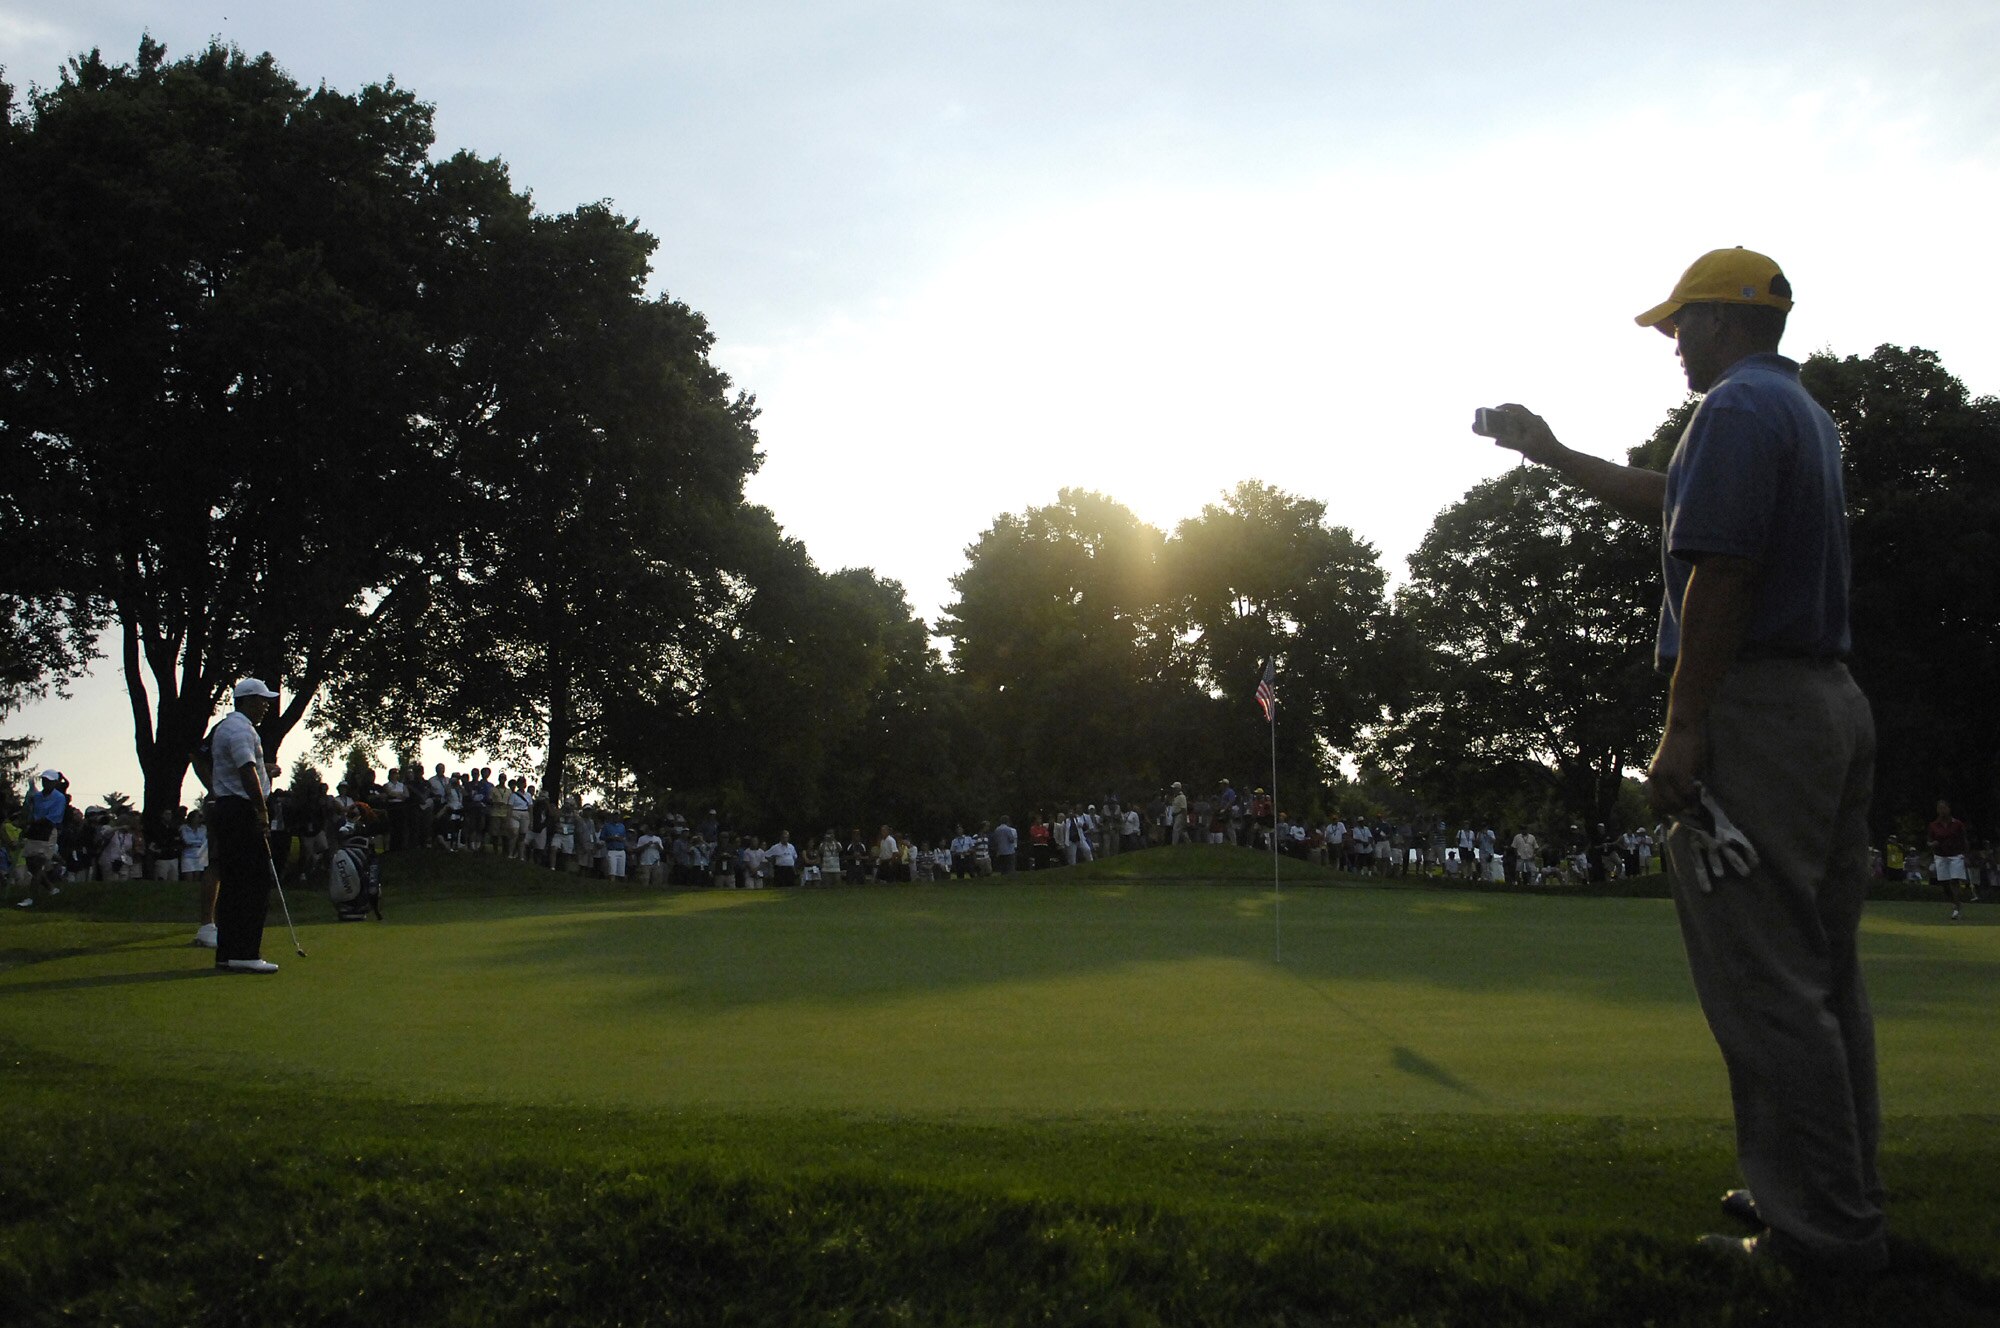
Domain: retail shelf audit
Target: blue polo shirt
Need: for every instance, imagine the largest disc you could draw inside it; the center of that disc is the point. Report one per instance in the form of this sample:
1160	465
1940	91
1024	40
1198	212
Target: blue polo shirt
49	805
1757	475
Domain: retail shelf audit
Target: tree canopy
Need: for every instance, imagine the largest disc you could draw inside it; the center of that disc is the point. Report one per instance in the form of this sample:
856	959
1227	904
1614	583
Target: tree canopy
1263	576
600	464
285	392
1535	690
215	322
1064	637
1923	487
1103	656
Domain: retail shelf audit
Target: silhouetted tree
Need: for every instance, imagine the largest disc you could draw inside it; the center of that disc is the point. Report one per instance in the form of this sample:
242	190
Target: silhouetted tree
1536	608
214	330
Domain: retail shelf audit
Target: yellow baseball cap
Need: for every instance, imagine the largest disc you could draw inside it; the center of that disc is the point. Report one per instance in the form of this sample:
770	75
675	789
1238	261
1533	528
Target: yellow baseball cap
1723	276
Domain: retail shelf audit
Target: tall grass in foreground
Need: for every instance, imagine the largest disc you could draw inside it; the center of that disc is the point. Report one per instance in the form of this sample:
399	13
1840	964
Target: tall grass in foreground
130	1201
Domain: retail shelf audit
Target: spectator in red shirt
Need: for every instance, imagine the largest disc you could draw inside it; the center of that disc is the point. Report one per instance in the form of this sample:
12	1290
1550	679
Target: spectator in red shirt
1041	843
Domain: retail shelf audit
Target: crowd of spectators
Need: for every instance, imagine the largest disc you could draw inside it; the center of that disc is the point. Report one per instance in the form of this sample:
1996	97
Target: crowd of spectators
48	840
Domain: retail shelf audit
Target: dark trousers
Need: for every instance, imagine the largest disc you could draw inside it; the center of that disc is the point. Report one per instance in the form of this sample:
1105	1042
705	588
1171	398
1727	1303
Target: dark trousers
1774	957
243	862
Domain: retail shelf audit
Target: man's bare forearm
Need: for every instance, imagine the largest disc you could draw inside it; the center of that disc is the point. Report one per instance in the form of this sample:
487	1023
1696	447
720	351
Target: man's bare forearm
1635	492
1715	617
1639	494
251	774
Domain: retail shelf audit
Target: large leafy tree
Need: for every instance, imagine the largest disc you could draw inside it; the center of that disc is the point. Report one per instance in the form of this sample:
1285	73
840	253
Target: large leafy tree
602	458
818	699
1923	490
1536	607
1263	575
1922	470
216	346
48	620
1064	639
914	758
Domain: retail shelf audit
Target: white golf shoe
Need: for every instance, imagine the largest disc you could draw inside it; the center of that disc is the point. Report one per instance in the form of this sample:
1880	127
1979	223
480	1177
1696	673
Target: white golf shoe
247	966
204	936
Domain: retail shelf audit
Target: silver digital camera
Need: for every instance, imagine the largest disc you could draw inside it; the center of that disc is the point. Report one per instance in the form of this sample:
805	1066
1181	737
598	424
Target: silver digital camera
1490	423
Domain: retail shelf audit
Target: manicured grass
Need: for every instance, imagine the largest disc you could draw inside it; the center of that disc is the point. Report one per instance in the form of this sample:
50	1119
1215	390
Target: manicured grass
1054	994
1087	1096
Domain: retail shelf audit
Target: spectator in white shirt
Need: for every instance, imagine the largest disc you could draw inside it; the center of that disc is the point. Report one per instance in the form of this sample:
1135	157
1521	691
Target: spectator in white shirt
651	849
1527	858
784	859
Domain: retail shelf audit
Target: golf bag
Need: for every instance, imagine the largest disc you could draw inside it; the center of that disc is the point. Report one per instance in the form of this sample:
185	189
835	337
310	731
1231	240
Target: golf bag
354	877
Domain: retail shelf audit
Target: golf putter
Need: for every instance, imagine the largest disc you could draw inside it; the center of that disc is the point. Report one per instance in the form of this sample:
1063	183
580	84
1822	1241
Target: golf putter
272	863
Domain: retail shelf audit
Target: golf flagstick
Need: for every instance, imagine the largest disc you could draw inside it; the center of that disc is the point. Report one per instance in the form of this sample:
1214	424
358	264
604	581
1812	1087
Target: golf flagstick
273	864
1267	696
1277	894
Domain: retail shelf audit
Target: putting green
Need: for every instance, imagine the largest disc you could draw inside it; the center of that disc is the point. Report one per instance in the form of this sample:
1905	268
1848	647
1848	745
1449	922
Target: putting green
1043	996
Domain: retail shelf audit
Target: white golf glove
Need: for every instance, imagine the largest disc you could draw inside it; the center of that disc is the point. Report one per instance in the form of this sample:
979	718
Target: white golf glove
1719	849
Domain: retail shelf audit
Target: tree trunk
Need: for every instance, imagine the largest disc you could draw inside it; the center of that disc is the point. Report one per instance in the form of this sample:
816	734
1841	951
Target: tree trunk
1610	783
163	764
164	773
282	722
559	733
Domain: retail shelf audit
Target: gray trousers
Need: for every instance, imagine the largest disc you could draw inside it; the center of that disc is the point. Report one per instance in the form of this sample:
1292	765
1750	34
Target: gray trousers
1791	760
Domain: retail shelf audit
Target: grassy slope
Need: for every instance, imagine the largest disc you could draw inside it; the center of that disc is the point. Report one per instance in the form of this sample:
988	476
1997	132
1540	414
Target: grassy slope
952	1207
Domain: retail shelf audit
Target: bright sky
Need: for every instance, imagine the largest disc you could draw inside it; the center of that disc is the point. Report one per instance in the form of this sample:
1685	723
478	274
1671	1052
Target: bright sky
965	254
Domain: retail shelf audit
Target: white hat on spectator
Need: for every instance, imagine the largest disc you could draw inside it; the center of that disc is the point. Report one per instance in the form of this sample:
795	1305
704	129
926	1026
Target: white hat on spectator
254	687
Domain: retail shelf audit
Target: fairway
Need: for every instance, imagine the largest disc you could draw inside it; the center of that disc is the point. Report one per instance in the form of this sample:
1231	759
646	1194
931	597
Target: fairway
1052	995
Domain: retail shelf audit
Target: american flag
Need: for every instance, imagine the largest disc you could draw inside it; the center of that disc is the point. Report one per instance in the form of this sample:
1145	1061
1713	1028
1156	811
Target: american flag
1267	692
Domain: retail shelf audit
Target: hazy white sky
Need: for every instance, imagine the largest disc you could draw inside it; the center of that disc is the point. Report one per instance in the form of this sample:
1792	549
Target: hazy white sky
964	254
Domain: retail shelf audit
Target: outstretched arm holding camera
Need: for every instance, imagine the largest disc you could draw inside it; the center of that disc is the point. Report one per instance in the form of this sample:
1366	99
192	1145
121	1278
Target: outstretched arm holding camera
1635	492
1715	609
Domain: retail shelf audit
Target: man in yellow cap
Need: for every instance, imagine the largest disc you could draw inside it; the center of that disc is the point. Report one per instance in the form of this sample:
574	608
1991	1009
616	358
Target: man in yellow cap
1763	718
